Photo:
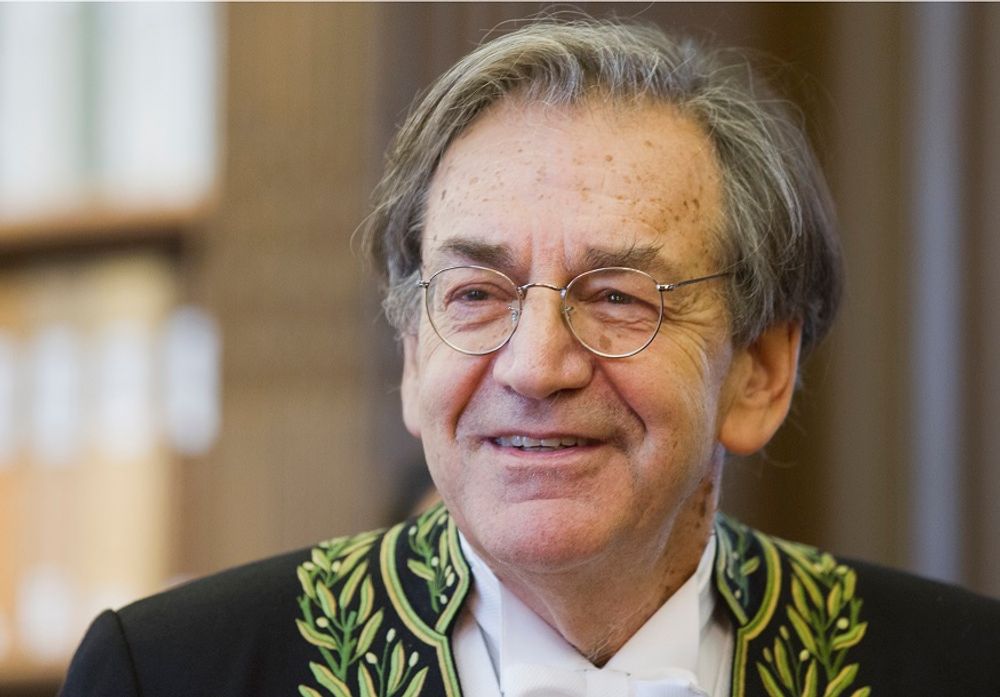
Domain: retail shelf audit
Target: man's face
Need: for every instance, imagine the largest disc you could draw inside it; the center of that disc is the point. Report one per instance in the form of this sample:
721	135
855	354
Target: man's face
540	194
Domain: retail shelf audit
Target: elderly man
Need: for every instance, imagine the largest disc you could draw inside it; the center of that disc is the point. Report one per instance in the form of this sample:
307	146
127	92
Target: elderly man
605	250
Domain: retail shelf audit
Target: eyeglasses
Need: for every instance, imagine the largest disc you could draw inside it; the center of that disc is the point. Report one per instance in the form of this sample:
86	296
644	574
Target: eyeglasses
614	312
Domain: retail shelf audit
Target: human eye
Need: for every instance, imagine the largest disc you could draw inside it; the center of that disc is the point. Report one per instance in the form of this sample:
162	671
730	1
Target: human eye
609	289
600	289
474	306
477	294
466	298
614	304
616	297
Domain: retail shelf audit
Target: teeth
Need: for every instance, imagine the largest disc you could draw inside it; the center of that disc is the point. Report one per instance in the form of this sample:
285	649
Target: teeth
529	442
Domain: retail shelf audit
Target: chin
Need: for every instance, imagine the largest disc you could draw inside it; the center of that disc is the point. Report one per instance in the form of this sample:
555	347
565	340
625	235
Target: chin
545	536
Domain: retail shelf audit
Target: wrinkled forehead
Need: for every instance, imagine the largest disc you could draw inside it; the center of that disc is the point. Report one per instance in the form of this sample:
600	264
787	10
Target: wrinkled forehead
642	175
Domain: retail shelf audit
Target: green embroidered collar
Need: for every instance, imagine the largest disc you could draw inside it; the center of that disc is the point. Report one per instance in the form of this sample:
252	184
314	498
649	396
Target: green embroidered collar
378	608
795	611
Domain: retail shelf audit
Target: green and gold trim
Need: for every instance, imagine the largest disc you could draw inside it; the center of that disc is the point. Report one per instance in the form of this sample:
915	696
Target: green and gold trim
796	612
378	607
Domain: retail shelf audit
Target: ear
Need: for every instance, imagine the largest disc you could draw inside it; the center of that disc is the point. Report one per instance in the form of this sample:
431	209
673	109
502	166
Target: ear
759	389
410	386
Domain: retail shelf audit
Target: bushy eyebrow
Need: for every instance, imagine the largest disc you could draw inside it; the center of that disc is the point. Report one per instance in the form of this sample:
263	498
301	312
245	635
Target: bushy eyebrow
495	256
645	257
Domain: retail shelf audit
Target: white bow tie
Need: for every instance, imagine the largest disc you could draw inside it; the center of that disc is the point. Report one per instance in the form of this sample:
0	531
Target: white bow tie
524	680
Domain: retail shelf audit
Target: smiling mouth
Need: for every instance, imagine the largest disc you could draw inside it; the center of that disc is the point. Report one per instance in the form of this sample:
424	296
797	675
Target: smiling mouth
529	443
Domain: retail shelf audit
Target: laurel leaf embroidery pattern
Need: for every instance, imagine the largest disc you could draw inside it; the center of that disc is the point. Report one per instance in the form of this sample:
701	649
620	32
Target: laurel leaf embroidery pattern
433	563
808	657
344	626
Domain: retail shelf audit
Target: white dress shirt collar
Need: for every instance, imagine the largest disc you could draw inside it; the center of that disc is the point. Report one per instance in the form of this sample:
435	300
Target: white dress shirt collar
670	640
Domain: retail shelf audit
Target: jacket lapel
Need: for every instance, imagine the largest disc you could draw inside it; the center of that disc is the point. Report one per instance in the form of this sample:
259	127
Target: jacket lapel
796	615
378	609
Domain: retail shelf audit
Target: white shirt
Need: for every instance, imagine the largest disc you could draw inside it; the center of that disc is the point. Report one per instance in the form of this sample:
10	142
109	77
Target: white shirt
497	630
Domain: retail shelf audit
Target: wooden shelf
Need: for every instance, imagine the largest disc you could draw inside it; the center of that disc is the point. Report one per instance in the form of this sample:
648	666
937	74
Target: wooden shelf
100	226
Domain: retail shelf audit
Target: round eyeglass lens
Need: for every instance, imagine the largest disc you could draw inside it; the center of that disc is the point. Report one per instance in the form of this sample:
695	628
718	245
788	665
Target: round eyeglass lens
614	312
473	309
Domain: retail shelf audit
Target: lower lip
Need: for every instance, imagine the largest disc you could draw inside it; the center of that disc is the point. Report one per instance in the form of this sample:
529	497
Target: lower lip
522	464
544	475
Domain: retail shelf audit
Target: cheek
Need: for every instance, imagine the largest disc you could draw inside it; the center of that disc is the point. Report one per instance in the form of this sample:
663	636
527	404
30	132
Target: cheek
676	402
449	382
700	365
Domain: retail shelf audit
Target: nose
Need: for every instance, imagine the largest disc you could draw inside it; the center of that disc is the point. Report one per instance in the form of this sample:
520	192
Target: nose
542	358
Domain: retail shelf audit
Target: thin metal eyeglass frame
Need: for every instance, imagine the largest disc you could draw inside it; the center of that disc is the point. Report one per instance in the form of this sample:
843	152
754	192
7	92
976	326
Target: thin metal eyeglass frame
522	292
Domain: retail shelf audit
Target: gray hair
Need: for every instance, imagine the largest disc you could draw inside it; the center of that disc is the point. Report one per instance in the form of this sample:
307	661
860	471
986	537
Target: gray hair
778	235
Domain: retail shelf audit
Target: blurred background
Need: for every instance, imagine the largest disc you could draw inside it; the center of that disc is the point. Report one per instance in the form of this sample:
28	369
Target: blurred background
193	370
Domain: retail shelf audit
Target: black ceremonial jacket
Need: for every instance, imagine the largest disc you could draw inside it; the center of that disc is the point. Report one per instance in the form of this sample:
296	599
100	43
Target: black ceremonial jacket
371	615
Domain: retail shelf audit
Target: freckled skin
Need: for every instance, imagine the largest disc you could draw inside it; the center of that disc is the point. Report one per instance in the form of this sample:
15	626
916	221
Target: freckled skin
641	496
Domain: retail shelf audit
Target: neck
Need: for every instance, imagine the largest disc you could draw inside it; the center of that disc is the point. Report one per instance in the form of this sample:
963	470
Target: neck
597	612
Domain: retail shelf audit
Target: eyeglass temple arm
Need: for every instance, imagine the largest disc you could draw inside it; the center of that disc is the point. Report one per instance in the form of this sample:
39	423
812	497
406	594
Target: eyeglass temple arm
667	287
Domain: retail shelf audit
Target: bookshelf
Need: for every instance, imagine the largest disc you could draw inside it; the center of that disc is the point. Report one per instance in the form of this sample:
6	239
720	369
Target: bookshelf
293	454
88	360
108	174
93	229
